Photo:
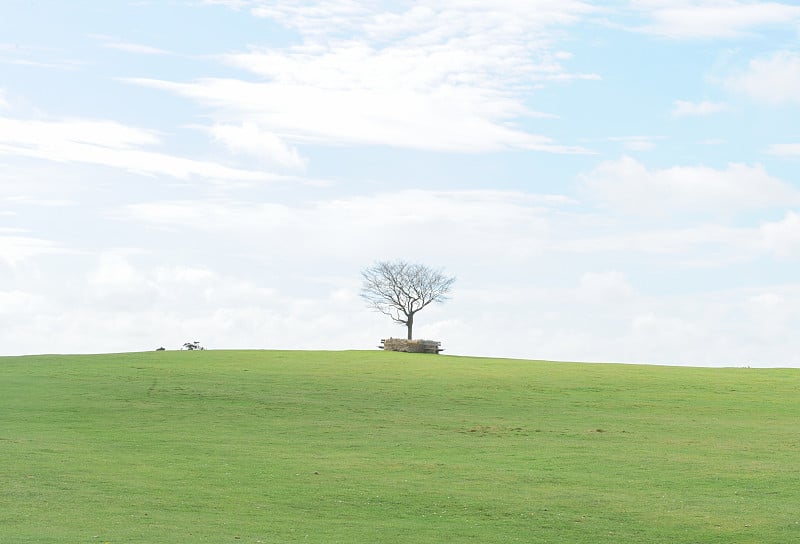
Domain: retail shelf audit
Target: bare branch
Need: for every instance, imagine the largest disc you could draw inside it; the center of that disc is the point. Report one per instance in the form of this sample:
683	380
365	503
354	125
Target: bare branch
399	289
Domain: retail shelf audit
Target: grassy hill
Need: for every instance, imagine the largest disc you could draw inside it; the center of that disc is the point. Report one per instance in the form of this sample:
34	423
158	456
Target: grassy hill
325	447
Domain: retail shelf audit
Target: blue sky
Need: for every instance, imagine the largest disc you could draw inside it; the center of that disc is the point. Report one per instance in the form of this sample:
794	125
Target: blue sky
609	181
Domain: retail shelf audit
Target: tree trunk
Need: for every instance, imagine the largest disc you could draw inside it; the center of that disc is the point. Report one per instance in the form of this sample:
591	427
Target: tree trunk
410	325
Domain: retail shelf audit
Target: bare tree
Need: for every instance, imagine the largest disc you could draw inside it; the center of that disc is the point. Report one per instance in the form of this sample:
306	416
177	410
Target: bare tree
399	289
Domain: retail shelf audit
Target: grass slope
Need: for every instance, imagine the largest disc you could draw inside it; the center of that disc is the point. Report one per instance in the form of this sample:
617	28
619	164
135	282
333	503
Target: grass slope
324	447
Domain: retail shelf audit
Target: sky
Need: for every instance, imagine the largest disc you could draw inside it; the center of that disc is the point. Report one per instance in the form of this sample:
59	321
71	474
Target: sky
609	181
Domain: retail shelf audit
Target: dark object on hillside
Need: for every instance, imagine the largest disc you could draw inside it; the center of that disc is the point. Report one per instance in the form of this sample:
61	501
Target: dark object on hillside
161	349
411	346
400	289
191	346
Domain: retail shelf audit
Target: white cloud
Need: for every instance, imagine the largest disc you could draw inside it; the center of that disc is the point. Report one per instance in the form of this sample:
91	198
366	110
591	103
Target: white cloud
4	104
15	249
316	19
127	300
136	48
661	332
107	143
415	223
701	246
117	282
448	119
683	108
126	305
586	322
249	139
232	4
709	19
708	245
62	65
16	303
26	185
630	185
35	201
111	42
109	134
113	273
785	150
444	77
773	314
610	287
427	20
500	226
783	237
774	79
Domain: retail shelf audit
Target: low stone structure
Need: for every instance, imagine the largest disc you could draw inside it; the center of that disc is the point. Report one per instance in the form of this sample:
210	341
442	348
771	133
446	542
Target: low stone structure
411	346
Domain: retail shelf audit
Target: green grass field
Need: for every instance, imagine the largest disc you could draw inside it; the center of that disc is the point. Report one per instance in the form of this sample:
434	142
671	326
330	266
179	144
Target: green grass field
326	447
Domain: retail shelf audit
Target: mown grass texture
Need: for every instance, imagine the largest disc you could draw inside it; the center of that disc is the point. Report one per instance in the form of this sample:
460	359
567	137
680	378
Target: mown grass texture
325	447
